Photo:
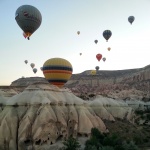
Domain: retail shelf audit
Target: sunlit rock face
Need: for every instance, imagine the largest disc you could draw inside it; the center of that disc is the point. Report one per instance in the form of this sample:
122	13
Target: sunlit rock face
43	114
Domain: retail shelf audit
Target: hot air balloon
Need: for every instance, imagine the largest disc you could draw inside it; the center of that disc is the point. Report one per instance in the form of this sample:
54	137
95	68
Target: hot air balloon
99	56
78	32
107	34
96	41
93	72
80	54
131	19
104	59
26	61
34	70
41	68
109	48
97	68
32	65
57	71
28	18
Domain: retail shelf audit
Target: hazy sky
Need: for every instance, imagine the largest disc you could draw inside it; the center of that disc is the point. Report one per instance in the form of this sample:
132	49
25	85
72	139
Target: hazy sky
57	36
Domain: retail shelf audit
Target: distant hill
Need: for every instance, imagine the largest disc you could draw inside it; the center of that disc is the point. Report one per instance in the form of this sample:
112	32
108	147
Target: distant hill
129	83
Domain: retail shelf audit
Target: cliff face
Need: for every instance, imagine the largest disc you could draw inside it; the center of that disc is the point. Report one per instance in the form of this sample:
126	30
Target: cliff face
43	114
118	84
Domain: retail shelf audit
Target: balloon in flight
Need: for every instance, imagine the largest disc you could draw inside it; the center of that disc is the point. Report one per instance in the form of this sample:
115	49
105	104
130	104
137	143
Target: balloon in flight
32	65
131	19
41	68
80	54
34	70
93	72
29	19
78	32
107	34
97	68
26	61
99	57
57	71
109	48
104	59
96	41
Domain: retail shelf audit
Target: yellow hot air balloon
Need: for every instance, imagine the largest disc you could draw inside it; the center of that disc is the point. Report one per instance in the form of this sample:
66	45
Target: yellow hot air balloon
93	72
57	71
29	19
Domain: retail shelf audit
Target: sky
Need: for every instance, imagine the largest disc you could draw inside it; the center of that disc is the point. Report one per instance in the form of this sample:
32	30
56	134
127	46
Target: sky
57	36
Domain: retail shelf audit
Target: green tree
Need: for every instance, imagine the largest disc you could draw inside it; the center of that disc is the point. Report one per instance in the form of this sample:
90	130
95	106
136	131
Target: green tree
71	144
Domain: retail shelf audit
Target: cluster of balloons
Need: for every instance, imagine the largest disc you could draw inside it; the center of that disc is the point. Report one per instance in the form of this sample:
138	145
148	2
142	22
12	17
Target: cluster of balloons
56	70
32	66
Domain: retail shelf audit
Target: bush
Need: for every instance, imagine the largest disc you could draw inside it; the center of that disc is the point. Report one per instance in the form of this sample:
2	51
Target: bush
71	144
129	146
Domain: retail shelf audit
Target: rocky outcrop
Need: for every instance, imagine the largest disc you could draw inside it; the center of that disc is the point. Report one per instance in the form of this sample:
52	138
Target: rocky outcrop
43	114
28	81
122	84
118	84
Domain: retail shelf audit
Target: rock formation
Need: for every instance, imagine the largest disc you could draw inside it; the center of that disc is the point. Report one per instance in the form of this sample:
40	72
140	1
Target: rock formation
43	114
118	84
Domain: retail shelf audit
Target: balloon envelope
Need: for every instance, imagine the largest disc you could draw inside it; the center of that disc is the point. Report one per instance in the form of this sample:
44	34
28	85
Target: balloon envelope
32	65
131	19
104	59
99	57
96	41
26	61
41	68
107	34
93	72
109	48
28	18
97	68
78	32
57	71
34	70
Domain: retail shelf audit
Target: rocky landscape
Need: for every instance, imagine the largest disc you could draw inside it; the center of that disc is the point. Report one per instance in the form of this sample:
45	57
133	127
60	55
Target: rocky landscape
37	115
119	84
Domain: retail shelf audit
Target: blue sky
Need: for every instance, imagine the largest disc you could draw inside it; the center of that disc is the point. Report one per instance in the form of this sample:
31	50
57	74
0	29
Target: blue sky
57	36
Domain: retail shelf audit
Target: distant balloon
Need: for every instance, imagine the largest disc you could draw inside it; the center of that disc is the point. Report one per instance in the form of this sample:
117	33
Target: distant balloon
131	19
57	71
32	65
29	19
99	57
34	70
41	68
96	41
93	72
109	48
97	68
26	61
104	59
78	32
107	34
80	54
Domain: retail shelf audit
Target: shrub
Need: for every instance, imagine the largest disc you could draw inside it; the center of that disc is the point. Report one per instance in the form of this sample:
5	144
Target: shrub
71	144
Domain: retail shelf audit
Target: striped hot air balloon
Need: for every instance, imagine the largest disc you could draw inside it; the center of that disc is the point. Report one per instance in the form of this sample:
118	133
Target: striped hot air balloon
57	71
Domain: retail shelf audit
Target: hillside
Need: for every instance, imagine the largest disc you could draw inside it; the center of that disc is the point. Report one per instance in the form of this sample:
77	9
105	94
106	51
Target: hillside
117	84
